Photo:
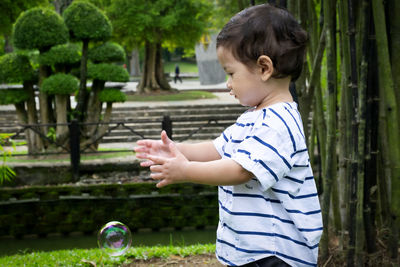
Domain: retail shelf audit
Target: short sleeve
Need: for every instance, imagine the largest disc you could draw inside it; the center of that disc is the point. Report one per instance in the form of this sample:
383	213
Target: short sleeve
265	153
221	141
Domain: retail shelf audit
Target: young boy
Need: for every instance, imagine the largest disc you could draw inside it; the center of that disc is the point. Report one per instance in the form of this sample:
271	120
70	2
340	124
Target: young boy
268	204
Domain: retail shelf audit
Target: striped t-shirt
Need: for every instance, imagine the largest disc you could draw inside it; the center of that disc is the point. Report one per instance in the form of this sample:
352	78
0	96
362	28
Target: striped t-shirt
278	211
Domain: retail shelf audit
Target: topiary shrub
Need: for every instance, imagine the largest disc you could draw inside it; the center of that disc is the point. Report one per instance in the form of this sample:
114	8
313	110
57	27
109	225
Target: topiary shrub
112	95
107	52
87	22
108	72
61	54
39	28
15	68
13	96
60	84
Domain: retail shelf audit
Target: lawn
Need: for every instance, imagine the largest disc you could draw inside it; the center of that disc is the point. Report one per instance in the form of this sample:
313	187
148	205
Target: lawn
176	96
96	257
184	67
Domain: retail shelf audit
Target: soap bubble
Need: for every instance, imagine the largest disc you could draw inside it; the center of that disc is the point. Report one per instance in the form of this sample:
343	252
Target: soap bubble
114	238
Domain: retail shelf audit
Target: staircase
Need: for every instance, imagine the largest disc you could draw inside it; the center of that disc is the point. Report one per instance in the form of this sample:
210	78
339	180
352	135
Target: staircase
129	124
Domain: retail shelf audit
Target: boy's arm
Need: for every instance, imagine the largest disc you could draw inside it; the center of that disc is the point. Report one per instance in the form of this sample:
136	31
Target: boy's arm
197	152
176	168
204	151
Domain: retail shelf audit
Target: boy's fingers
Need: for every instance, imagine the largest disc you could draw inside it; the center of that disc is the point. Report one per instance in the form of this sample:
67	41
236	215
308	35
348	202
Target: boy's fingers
162	183
156	159
147	163
156	168
164	138
156	176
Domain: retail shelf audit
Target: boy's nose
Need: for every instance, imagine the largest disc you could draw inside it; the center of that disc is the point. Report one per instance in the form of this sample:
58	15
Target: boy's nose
229	85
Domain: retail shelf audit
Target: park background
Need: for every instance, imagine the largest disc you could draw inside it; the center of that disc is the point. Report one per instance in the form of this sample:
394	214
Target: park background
348	95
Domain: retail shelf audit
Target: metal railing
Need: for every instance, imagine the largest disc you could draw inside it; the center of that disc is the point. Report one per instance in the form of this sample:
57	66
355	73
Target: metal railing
74	147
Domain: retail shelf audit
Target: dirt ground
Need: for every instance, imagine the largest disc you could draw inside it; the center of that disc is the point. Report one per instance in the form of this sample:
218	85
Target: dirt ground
177	261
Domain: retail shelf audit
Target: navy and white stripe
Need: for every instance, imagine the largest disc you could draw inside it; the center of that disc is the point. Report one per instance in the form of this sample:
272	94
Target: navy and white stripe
277	212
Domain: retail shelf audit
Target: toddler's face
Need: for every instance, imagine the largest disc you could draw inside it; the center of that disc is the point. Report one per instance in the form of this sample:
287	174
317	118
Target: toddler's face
244	83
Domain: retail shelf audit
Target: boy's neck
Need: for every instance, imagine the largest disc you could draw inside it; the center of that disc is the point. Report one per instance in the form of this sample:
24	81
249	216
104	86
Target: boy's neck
278	91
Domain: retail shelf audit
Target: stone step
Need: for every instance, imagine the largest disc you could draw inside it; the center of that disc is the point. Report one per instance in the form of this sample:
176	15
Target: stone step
194	122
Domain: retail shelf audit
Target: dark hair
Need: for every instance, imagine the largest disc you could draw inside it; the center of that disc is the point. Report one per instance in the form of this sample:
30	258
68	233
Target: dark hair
266	30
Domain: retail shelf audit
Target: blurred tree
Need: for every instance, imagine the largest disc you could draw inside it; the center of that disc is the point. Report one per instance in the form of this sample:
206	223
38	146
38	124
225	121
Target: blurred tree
40	29
86	23
9	12
156	23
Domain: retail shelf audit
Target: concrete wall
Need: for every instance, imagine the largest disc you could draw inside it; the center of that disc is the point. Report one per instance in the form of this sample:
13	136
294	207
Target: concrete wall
210	71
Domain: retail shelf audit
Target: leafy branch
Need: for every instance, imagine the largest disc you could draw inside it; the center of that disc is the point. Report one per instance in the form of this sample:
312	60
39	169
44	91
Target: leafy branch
6	173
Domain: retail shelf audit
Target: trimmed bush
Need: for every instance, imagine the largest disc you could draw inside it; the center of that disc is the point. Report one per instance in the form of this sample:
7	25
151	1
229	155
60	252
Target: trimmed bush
39	28
112	95
61	54
60	84
15	68
87	22
108	72
13	96
107	52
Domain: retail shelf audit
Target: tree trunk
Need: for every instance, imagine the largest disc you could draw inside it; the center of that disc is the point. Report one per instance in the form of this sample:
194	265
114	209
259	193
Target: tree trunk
43	99
34	142
82	94
391	109
153	78
134	63
93	107
8	48
61	111
101	130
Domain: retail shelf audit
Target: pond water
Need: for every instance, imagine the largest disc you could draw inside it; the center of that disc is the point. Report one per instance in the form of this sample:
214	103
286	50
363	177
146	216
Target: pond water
10	246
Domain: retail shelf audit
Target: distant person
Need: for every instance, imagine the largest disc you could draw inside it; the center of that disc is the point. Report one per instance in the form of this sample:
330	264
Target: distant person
177	74
269	211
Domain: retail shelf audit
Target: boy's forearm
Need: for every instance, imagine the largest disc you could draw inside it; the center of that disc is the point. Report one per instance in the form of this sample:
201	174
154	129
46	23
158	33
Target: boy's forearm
217	172
204	151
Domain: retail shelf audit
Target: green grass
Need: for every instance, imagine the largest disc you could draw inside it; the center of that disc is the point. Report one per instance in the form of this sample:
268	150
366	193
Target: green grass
179	96
81	257
184	67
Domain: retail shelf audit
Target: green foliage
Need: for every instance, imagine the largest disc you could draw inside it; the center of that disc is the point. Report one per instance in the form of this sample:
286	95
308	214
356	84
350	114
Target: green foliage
51	134
82	257
10	10
15	68
87	22
13	96
60	84
176	23
108	72
39	28
61	54
112	95
6	173
183	95
107	52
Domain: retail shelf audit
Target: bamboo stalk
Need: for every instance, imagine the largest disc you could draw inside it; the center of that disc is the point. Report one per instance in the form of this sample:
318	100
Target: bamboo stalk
361	117
390	108
330	159
354	137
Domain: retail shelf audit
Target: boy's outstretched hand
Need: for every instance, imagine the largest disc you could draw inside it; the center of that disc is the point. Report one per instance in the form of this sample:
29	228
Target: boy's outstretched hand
153	147
170	169
166	162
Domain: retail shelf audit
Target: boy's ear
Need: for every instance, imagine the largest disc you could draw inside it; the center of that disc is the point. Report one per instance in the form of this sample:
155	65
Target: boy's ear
266	67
